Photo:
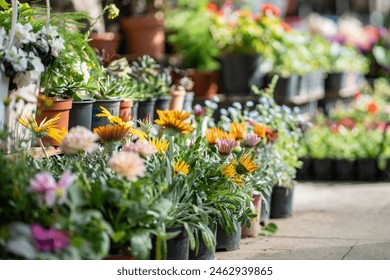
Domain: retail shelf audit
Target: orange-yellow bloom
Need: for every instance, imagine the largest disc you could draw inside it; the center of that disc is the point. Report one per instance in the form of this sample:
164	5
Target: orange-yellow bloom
111	133
161	145
246	164
175	120
45	128
260	130
238	130
181	167
229	170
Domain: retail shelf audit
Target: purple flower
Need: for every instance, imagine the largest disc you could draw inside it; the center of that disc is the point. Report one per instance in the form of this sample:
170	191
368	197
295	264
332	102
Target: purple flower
49	190
199	111
225	146
48	240
251	140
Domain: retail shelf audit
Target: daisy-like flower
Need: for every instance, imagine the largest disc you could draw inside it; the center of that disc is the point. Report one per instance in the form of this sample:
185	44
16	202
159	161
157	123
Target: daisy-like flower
229	170
246	164
260	130
119	122
128	164
79	139
215	133
238	130
271	135
144	148
111	133
45	128
174	120
161	145
251	140
181	167
225	146
49	190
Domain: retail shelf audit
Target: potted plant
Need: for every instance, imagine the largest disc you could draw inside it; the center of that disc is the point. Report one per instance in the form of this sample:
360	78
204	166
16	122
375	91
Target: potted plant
144	29
189	33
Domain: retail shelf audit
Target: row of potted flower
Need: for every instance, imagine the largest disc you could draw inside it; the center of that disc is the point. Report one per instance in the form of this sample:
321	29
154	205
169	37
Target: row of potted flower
137	192
351	143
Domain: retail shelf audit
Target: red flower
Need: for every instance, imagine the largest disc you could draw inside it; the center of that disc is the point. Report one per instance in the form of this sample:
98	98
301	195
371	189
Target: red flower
270	9
348	123
372	107
271	135
212	7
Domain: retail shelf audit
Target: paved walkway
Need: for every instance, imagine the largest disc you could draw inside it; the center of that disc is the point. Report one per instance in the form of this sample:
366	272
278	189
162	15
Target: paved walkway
330	221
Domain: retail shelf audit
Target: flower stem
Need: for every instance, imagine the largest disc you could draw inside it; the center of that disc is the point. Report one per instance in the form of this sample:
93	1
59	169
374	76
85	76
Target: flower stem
43	147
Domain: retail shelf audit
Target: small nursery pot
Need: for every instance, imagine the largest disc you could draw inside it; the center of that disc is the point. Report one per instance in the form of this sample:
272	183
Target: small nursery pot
228	242
282	202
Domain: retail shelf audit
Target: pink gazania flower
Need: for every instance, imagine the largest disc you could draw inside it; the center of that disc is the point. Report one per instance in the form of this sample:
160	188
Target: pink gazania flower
251	140
48	240
225	146
128	164
79	139
144	148
199	111
49	190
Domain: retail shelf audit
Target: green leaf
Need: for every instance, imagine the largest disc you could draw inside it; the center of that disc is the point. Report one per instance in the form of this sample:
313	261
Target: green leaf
4	4
269	230
141	245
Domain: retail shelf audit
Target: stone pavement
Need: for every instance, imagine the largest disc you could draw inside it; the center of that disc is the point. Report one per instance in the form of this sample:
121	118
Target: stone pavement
331	221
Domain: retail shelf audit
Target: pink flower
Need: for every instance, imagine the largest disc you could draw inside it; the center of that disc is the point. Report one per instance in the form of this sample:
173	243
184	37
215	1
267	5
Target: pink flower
199	111
144	148
79	139
49	190
251	139
128	164
225	146
48	240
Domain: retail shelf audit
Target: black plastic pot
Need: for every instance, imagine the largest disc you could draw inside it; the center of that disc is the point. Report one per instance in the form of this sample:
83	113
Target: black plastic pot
134	110
323	169
238	73
287	88
162	103
81	114
228	242
188	100
344	170
145	108
335	81
113	106
304	173
203	252
367	169
282	202
178	247
265	209
386	171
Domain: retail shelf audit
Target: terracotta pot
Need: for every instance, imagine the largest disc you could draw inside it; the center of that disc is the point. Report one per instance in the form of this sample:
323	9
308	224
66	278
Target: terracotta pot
255	227
108	41
125	109
177	101
57	106
145	35
205	83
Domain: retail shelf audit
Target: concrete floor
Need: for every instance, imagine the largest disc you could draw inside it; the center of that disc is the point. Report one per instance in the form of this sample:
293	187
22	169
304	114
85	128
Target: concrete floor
331	221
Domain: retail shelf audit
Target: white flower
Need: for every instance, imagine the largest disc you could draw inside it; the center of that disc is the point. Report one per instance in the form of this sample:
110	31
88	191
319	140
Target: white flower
144	148
23	34
79	139
38	67
128	164
82	69
17	58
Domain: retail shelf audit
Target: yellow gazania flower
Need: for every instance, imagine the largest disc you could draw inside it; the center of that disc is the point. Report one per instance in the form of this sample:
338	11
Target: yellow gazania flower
260	130
45	128
212	134
246	164
229	170
175	120
119	121
161	145
57	135
238	130
181	167
111	133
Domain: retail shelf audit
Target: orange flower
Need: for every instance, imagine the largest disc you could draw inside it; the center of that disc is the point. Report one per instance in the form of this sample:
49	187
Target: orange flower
286	26
212	7
271	135
245	13
372	107
259	130
111	133
357	95
270	9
